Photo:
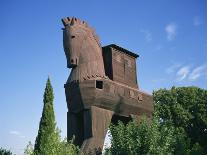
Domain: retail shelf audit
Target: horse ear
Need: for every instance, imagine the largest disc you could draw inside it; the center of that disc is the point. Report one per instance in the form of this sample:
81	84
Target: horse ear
69	19
65	21
72	21
86	25
78	21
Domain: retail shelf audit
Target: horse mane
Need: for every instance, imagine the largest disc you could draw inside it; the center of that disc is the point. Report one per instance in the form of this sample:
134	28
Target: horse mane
77	22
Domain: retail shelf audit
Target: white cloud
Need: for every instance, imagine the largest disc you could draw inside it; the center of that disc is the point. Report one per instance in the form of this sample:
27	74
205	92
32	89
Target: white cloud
196	73
13	132
182	73
16	133
197	21
187	73
172	68
171	30
148	35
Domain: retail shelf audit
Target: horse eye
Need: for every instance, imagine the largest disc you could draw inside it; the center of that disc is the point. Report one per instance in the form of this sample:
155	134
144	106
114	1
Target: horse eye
72	36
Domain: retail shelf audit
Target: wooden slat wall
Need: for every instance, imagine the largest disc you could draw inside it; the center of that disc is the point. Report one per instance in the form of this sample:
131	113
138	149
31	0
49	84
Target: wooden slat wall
124	68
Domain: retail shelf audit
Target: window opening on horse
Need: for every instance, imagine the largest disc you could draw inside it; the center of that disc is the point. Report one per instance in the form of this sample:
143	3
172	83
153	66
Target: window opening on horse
99	84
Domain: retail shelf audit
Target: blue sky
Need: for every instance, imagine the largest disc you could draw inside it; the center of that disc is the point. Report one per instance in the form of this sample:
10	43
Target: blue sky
169	35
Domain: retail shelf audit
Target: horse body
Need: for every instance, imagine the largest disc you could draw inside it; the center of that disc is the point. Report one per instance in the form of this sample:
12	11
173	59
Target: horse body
93	98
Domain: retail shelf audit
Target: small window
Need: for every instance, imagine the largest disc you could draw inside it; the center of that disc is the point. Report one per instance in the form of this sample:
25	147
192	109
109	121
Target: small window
99	84
72	36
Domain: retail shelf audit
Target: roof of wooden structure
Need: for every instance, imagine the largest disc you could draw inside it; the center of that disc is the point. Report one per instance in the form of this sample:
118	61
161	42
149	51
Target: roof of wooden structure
123	50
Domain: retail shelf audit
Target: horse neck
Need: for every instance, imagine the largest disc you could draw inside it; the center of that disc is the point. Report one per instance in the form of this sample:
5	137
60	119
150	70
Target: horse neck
90	65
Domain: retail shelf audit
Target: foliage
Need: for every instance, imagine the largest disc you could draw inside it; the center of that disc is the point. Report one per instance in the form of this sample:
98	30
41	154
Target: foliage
196	150
142	138
5	152
186	109
47	134
179	126
68	148
29	149
62	148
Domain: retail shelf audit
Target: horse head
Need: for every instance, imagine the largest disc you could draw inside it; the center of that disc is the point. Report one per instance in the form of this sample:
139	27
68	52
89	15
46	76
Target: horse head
82	49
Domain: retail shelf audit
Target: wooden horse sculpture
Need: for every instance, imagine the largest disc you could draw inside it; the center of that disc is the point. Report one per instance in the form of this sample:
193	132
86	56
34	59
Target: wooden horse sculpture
102	86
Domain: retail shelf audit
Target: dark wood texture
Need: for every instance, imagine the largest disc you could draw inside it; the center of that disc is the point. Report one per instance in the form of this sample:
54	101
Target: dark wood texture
120	65
102	86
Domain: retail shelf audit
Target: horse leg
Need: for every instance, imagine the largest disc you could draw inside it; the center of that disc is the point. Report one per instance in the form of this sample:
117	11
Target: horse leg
75	127
96	123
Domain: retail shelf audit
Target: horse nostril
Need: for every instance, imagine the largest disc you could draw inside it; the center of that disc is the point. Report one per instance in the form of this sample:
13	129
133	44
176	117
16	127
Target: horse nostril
71	60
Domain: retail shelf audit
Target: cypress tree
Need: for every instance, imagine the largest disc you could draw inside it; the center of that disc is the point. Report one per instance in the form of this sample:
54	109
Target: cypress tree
44	143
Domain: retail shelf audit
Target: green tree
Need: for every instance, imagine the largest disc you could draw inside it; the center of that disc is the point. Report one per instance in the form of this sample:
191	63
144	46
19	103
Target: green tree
47	135
186	109
5	152
48	140
68	148
29	149
62	147
142	138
